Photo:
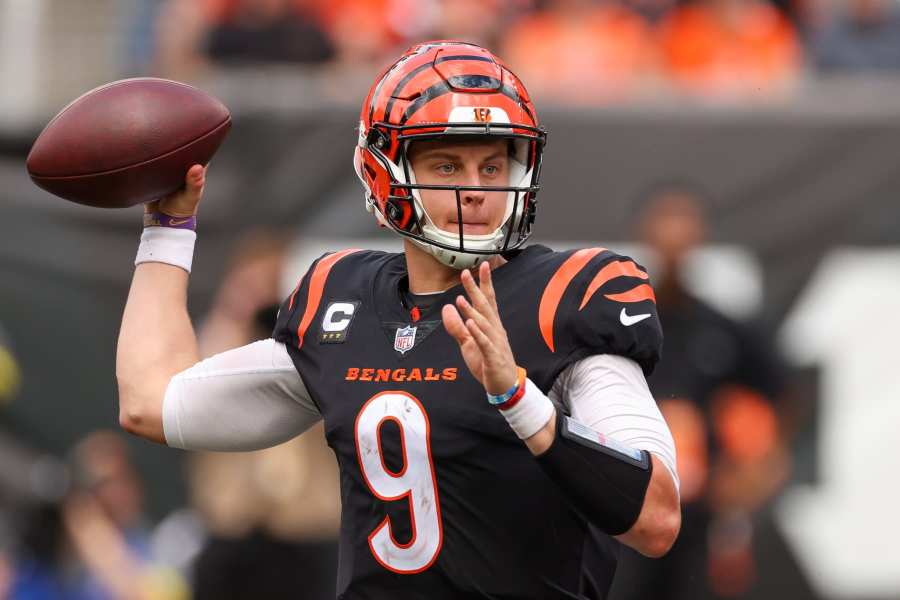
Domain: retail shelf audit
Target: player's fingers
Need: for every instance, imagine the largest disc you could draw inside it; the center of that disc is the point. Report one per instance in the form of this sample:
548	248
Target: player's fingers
195	179
488	350
470	312
475	294
453	323
183	203
486	283
486	287
484	323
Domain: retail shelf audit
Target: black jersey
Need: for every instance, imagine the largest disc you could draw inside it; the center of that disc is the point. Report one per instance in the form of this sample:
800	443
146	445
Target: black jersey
440	498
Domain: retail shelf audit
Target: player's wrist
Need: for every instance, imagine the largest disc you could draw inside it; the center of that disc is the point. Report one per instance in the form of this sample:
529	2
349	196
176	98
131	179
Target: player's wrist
155	215
528	410
161	219
167	245
512	392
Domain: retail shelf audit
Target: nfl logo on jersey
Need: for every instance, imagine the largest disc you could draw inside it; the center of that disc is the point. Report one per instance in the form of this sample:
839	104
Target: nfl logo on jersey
404	339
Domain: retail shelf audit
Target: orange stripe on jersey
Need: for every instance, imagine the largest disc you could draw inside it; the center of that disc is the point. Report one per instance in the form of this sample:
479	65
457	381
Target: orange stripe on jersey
316	287
609	272
294	294
556	287
641	292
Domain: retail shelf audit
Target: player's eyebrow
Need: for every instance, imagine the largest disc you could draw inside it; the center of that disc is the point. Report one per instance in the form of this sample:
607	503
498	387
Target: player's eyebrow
447	155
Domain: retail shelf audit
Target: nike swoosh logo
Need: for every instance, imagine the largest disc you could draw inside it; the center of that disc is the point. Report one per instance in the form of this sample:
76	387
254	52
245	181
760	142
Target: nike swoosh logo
628	320
179	221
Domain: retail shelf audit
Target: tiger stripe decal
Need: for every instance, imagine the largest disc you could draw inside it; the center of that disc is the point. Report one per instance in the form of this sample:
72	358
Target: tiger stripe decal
638	294
610	272
556	287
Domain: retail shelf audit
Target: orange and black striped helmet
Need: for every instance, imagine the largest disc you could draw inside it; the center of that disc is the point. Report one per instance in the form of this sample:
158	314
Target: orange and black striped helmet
438	89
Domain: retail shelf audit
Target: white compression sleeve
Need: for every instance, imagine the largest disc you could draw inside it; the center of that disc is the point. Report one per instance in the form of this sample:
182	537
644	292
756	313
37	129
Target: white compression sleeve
609	394
243	399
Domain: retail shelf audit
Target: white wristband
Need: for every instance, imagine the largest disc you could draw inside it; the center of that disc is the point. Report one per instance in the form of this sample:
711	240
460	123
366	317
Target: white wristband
530	413
167	245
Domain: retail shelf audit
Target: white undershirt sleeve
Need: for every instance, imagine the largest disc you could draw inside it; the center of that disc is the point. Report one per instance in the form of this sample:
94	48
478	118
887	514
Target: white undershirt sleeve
609	394
247	398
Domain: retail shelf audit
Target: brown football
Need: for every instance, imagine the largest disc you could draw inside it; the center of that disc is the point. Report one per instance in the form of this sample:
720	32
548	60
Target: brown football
127	142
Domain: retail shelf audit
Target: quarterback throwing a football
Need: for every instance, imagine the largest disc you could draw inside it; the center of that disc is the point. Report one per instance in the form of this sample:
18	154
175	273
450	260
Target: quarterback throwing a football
485	401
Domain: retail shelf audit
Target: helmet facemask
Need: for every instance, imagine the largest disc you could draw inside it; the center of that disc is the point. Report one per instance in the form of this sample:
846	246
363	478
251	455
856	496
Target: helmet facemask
457	249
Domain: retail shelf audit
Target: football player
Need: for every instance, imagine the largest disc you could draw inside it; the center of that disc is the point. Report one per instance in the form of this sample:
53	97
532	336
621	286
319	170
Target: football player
486	401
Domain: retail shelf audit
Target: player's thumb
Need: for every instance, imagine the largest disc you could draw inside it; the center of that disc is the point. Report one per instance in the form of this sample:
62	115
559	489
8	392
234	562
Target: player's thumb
183	203
453	323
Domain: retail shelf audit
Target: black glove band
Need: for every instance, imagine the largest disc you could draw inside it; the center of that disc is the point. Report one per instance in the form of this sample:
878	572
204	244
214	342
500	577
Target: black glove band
604	480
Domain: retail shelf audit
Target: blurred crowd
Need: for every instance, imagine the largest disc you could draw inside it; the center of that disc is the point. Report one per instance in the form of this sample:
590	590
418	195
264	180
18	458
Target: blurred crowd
256	525
570	51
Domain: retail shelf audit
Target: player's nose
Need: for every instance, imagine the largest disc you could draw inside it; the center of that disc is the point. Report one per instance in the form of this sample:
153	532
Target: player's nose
472	180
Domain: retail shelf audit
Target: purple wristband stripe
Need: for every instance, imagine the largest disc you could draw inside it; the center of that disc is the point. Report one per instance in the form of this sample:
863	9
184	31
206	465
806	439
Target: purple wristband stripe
158	219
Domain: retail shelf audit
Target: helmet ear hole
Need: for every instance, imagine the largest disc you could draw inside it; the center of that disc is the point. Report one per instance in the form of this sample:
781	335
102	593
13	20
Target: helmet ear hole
399	212
377	139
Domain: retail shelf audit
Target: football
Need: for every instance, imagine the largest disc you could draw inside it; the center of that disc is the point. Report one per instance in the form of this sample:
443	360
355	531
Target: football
127	142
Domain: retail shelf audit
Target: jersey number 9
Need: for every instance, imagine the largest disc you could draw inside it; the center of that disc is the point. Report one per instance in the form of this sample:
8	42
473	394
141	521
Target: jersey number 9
415	481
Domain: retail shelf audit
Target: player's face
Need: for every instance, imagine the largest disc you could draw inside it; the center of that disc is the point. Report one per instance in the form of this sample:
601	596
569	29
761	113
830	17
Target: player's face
463	163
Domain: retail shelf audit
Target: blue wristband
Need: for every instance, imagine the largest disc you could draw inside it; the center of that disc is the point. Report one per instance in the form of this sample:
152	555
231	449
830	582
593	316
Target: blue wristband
503	398
495	400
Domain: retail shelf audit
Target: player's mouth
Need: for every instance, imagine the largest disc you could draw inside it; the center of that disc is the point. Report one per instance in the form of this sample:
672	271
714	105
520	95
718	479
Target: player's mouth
470	228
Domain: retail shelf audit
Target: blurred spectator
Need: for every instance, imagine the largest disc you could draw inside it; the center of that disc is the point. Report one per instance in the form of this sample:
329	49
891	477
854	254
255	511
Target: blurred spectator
247	301
863	35
36	571
580	51
265	31
194	33
730	48
272	515
716	387
651	10
476	21
139	20
90	543
103	517
365	33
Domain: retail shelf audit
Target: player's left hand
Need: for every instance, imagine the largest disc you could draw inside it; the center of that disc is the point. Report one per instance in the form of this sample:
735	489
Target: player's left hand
481	337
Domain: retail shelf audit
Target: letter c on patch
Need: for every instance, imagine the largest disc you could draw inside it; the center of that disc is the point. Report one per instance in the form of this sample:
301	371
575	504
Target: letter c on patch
338	316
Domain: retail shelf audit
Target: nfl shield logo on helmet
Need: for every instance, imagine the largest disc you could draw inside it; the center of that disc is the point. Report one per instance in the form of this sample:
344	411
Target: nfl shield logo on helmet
404	339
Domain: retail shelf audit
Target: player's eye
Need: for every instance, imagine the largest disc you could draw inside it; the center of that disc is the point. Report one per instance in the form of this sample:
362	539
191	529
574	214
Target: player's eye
491	170
446	168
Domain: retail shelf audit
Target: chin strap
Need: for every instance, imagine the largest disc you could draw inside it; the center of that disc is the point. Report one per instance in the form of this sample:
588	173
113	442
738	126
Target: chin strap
452	258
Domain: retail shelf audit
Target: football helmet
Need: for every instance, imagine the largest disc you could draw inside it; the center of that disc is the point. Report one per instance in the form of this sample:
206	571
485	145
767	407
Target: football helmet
436	90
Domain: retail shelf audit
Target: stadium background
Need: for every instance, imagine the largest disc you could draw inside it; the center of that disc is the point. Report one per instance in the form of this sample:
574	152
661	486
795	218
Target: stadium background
794	138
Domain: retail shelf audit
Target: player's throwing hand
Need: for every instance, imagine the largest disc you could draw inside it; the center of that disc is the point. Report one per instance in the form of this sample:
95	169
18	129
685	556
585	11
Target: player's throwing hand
182	203
481	337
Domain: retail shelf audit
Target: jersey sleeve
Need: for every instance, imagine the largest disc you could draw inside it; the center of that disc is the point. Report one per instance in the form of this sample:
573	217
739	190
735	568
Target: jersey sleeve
610	308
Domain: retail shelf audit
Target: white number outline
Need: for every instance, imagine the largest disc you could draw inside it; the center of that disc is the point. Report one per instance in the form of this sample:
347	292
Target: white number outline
408	494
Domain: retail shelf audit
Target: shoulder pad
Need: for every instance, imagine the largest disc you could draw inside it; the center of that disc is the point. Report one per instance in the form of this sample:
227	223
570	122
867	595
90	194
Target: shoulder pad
599	302
299	309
